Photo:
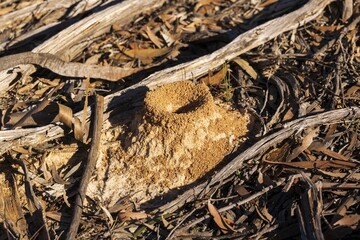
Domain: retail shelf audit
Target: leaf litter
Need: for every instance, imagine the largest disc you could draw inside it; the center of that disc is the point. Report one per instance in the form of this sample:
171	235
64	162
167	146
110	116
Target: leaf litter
305	185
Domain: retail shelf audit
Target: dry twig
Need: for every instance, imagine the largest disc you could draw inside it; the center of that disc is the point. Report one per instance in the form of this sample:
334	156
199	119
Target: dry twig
90	165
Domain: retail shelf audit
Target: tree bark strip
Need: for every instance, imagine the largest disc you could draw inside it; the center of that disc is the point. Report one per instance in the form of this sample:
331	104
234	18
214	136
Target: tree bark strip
68	69
90	166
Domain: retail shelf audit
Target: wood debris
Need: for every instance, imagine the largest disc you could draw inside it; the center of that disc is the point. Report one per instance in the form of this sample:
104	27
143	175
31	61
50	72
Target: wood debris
292	66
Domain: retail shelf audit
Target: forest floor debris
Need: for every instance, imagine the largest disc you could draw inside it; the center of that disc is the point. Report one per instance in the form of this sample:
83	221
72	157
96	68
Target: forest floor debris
294	174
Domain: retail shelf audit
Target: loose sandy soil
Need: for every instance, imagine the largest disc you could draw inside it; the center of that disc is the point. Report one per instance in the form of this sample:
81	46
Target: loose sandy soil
180	135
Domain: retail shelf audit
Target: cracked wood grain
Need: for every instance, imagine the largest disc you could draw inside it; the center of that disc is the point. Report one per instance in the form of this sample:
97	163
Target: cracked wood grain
68	69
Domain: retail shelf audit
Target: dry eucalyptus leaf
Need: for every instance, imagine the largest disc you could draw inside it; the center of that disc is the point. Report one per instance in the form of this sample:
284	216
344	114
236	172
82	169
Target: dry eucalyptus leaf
348	220
219	220
147	53
217	78
245	65
308	139
127	216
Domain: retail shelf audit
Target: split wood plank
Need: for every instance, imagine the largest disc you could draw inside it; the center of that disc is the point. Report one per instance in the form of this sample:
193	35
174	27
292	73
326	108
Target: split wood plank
39	8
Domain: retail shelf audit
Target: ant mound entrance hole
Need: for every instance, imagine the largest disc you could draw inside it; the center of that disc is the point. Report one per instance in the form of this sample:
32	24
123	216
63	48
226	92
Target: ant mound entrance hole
178	101
178	137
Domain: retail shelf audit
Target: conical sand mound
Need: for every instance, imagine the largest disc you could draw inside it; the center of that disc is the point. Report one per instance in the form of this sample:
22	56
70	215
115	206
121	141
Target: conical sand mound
180	136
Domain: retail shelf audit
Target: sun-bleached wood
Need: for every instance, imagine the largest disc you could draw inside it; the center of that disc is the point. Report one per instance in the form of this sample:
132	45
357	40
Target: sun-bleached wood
19	18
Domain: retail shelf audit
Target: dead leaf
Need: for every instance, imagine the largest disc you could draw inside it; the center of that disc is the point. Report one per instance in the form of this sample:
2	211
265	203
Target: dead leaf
346	164
278	154
330	132
153	37
316	164
203	3
168	37
83	117
352	90
22	150
267	3
260	178
217	78
308	139
348	220
334	154
352	177
190	28
328	28
166	224
242	191
219	220
246	67
65	115
25	90
319	146
127	216
54	215
264	214
55	175
6	10
108	214
332	185
289	115
94	59
39	93
148	53
316	36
